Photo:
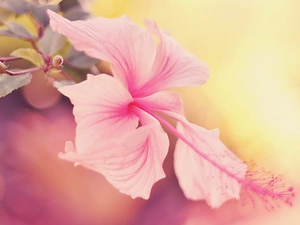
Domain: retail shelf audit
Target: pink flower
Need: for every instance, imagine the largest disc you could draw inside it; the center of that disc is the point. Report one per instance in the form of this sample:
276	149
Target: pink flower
119	131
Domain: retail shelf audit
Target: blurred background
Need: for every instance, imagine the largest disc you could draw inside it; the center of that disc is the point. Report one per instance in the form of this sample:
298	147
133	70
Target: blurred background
253	96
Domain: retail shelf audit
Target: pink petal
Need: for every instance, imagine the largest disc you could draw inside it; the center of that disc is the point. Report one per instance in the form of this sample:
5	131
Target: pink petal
201	179
173	66
100	109
129	48
205	167
164	100
132	165
142	66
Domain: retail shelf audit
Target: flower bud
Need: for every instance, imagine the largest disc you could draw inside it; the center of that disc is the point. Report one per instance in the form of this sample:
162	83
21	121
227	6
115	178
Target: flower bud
57	61
3	67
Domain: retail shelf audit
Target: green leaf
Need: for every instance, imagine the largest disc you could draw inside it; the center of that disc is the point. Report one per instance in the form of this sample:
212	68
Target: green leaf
30	55
39	12
10	83
68	4
8	33
16	6
79	59
15	30
76	13
45	2
51	42
4	14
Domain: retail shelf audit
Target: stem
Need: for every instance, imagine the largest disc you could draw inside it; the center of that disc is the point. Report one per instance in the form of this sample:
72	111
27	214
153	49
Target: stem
34	45
31	70
40	31
37	24
7	59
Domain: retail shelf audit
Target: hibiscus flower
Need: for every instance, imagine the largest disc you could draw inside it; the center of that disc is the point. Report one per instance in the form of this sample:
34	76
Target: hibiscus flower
119	124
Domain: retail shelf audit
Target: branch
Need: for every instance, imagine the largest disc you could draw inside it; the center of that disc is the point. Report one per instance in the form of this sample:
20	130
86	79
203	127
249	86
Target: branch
31	70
